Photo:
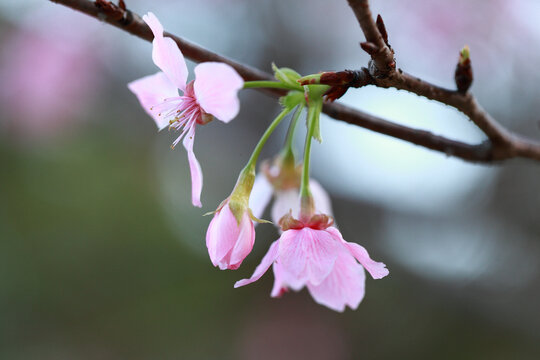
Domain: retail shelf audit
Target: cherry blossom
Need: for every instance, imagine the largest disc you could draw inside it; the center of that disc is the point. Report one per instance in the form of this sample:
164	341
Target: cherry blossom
314	254
213	93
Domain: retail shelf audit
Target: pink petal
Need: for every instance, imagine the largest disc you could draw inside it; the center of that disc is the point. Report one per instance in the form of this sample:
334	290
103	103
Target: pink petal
244	243
216	87
279	285
283	281
321	250
166	54
260	195
194	167
285	201
289	200
376	269
323	205
152	90
308	254
291	254
345	285
221	236
267	260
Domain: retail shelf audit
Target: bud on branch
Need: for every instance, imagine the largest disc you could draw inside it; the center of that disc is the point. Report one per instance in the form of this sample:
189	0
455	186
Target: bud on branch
464	75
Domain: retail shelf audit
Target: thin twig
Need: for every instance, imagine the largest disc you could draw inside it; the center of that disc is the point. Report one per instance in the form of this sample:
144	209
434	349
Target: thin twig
376	42
509	146
503	143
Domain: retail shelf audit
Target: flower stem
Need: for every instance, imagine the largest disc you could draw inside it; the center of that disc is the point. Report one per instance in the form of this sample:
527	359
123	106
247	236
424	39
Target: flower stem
255	155
239	198
313	115
307	205
267	84
292	127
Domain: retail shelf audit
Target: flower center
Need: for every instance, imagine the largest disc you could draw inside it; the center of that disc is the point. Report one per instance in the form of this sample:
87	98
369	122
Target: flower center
190	109
183	112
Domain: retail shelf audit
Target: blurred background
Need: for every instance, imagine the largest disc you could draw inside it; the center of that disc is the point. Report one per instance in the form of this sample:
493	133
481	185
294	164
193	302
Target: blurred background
102	255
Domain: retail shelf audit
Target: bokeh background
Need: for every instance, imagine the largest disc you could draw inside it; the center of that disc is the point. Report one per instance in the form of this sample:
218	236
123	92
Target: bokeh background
103	257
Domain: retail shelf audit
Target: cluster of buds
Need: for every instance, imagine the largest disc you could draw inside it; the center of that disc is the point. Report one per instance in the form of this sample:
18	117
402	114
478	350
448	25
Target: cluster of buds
311	251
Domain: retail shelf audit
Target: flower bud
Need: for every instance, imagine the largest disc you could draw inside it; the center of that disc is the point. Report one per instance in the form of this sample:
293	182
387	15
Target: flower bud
464	75
228	240
231	233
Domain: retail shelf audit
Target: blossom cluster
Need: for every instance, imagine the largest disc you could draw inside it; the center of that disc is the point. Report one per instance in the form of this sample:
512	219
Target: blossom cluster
310	251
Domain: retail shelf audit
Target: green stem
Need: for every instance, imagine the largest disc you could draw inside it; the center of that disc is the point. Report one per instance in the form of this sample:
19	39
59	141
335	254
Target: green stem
313	113
292	128
267	84
255	155
240	195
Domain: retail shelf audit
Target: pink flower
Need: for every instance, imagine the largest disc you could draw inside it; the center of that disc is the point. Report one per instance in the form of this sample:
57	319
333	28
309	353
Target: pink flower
212	93
314	254
229	239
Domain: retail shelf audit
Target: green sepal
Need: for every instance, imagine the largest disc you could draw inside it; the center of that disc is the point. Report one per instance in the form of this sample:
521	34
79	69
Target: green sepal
256	219
238	208
239	199
292	99
310	79
317	108
317	91
287	76
315	95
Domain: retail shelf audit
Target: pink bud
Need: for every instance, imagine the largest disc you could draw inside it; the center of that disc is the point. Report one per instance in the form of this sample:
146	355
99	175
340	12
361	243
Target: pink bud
229	241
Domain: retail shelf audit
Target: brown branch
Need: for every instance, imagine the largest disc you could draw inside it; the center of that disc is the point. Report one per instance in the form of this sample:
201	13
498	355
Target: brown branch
375	33
376	43
504	144
510	145
473	153
465	103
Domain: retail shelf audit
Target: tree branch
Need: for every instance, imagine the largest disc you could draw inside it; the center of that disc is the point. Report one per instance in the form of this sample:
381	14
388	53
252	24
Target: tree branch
502	142
500	146
376	43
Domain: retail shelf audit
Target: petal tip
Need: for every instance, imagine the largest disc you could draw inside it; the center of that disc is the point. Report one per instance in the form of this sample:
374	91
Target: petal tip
380	272
240	283
152	21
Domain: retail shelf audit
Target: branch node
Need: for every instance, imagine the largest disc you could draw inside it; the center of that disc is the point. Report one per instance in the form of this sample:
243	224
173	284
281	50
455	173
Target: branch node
341	81
113	11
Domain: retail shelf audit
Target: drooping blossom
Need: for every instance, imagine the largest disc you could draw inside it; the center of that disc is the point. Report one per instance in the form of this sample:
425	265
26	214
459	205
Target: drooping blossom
313	253
212	93
230	238
282	182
